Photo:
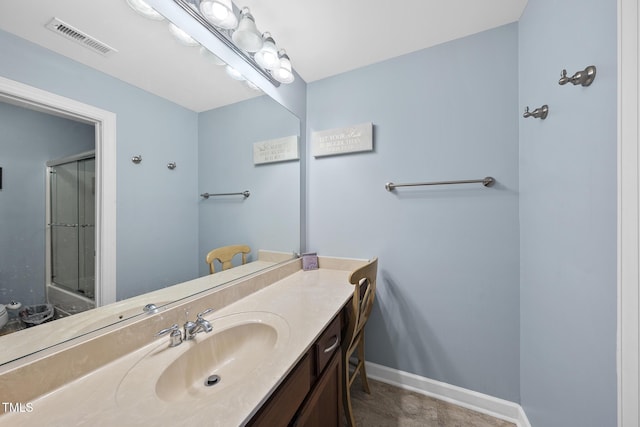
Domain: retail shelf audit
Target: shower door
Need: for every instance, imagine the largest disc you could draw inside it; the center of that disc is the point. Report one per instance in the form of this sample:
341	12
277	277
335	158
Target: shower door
72	226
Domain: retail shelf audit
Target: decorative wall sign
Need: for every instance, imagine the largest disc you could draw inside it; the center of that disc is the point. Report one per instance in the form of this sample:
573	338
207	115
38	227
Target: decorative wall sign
349	139
276	150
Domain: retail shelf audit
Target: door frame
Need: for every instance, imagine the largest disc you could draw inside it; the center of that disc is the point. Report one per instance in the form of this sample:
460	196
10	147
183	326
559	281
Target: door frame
628	215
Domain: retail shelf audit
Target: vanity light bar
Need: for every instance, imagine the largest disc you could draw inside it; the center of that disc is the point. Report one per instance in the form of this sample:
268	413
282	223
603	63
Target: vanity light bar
185	5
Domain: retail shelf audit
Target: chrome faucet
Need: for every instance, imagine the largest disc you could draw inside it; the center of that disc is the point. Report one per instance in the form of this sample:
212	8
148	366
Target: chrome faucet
201	324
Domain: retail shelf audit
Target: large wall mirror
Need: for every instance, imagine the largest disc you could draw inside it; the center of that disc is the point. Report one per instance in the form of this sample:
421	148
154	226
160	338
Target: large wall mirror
183	128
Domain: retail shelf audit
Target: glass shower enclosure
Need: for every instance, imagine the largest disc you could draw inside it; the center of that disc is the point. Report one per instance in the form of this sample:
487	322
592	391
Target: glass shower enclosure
72	224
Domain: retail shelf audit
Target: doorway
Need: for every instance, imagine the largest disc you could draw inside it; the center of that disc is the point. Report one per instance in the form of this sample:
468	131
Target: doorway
104	123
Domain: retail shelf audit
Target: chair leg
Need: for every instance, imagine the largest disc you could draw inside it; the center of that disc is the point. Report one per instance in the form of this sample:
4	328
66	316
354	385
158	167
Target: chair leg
363	370
346	393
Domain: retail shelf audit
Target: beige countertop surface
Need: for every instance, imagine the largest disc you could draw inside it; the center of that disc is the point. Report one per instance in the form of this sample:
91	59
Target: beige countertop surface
303	304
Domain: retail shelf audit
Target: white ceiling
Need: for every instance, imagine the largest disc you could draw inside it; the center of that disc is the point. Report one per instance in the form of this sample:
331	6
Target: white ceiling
323	38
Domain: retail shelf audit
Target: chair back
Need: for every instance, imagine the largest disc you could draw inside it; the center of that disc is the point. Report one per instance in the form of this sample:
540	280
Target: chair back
364	281
225	254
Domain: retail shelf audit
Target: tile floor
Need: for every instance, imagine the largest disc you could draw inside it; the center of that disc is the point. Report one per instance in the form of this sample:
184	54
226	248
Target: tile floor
389	406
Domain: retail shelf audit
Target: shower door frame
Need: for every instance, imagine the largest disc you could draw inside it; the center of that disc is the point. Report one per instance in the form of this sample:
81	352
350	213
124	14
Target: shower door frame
104	123
49	269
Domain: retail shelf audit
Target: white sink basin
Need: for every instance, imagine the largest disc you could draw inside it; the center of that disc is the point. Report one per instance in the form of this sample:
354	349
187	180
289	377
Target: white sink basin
239	346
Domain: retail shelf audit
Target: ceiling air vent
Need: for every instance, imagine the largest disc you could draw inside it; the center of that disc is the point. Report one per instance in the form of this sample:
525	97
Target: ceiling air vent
71	33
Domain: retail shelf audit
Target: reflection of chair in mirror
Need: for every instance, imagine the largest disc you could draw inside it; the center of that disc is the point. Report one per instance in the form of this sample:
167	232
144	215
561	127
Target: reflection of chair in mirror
225	254
358	310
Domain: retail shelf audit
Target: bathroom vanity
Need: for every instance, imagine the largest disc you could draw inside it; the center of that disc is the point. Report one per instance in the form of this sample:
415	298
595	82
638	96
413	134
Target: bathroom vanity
271	358
311	395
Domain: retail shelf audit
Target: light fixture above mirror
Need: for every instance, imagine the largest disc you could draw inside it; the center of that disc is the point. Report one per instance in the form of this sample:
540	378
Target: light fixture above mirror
237	29
220	13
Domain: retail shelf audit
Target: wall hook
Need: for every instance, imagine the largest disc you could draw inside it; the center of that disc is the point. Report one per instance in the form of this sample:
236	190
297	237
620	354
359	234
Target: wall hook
171	166
584	77
137	159
538	113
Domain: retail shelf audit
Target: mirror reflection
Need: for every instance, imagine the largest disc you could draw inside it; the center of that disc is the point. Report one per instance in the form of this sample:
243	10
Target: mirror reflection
164	228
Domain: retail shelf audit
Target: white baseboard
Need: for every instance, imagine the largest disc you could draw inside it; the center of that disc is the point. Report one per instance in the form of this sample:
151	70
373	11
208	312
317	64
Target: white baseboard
483	403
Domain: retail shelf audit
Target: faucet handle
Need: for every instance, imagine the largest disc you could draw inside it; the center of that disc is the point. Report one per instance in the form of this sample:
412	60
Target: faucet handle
175	336
171	328
207	311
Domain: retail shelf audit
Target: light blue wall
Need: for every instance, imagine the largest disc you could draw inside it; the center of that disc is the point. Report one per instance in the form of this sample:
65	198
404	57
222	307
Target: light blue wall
269	218
568	215
157	209
448	291
29	139
510	296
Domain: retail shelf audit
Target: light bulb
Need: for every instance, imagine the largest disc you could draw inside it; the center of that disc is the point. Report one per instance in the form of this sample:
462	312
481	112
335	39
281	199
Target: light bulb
211	56
267	56
233	73
284	73
181	36
219	13
252	85
143	8
246	36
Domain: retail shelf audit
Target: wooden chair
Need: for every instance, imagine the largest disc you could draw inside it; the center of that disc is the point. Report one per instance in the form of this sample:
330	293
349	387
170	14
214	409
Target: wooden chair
364	281
225	254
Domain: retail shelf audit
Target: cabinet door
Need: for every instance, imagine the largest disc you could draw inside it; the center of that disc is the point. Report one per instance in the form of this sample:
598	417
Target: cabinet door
282	406
323	407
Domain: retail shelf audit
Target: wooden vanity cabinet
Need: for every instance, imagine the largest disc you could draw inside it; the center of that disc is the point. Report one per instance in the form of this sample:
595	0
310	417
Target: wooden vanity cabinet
283	404
311	395
323	406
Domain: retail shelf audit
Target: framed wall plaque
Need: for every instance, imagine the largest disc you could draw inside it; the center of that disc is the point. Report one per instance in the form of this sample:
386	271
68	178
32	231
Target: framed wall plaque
276	150
344	140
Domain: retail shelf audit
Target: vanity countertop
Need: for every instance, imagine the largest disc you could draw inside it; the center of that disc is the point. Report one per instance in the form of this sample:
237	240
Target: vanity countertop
306	300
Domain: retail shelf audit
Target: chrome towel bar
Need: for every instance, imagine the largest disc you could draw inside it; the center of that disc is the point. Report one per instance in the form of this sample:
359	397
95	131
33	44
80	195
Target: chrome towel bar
244	193
486	181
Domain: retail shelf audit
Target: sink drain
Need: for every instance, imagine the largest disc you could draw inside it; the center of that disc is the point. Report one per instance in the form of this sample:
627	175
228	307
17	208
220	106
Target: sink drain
212	380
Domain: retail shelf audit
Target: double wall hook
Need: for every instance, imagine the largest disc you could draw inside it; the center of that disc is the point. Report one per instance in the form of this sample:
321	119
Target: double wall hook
138	159
584	77
538	113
